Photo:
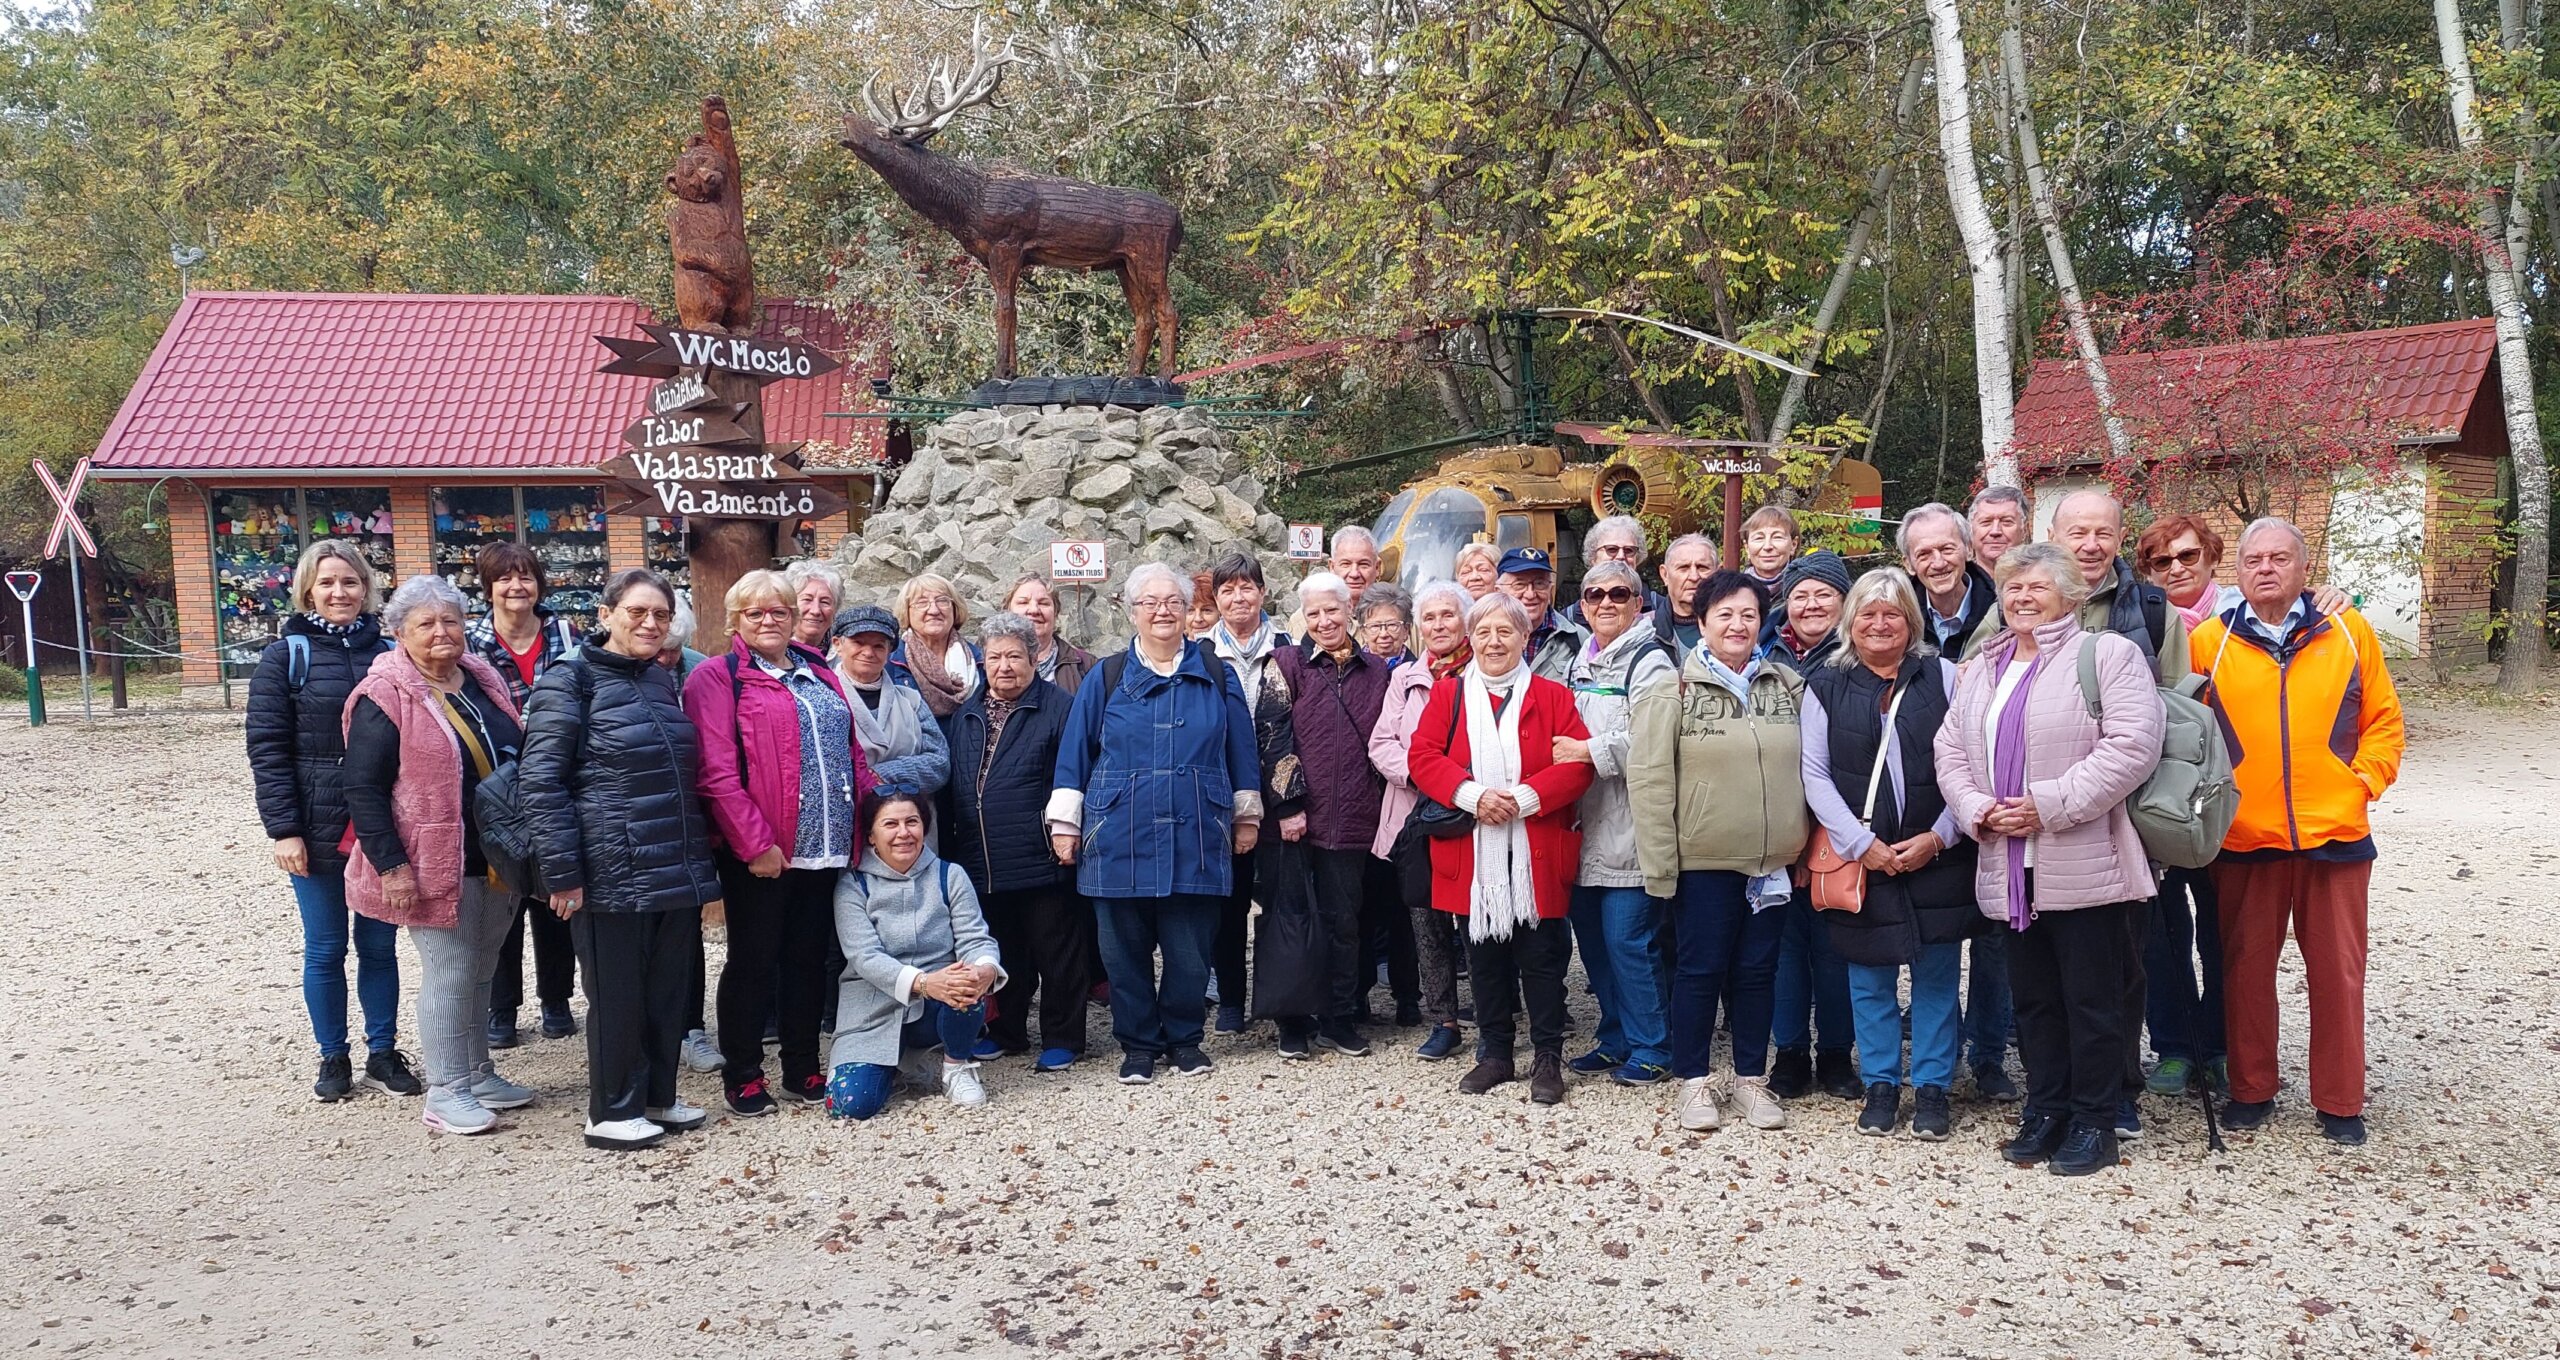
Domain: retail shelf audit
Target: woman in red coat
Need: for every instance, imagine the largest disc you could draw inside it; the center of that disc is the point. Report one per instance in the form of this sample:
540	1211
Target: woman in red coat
1486	746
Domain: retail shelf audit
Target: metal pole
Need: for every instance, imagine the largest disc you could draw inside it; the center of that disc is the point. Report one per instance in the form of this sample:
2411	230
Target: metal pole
35	683
80	616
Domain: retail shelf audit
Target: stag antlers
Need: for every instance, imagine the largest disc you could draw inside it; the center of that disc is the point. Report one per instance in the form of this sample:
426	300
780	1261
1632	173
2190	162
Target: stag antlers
922	112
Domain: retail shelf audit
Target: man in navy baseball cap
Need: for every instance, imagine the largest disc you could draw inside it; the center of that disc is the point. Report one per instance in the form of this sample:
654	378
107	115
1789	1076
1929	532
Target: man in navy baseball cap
1529	576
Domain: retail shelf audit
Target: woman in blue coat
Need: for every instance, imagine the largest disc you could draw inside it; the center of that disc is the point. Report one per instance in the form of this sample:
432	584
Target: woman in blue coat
1158	786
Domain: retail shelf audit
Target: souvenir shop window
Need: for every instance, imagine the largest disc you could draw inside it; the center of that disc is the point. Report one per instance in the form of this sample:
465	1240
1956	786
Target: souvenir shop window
564	525
662	544
256	538
361	515
469	518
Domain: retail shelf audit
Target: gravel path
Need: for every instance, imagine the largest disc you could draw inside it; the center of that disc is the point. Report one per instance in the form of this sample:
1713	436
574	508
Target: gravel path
170	1189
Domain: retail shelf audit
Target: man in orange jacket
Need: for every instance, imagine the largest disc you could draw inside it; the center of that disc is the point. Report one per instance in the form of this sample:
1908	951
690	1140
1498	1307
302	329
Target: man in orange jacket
2316	737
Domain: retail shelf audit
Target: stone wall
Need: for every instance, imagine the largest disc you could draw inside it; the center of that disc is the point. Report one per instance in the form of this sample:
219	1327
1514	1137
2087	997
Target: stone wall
990	490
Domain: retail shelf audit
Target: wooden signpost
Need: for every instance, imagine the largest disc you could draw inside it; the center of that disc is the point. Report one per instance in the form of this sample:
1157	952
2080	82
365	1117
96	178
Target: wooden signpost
698	448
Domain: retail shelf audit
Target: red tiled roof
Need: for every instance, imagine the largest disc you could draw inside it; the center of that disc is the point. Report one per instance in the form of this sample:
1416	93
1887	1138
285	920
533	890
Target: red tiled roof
2417	381
399	382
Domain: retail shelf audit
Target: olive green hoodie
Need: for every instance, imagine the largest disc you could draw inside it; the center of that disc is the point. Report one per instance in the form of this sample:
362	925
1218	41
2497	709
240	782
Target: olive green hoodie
1713	784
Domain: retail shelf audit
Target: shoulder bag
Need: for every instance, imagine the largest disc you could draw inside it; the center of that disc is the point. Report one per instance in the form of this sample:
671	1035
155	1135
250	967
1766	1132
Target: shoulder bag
1837	883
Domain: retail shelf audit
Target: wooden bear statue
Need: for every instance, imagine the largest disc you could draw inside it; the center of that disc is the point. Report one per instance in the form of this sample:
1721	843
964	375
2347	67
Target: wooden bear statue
707	226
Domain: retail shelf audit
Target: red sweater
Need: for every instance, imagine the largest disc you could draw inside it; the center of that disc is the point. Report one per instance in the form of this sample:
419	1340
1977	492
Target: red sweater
1439	763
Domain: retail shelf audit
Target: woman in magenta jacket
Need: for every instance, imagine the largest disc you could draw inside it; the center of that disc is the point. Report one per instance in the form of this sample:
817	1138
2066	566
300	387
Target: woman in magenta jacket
1486	746
784	780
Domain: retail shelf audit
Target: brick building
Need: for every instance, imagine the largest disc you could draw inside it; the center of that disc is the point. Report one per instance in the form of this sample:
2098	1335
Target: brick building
2413	535
423	426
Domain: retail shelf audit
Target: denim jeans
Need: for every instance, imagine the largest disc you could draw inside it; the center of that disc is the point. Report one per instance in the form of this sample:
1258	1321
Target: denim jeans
322	901
861	1090
1616	929
1726	952
1151	1016
2183	959
1937	1035
1812	986
1989	1022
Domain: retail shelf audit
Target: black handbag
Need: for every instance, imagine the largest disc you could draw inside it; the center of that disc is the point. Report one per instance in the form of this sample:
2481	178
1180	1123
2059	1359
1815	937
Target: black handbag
1431	818
1292	955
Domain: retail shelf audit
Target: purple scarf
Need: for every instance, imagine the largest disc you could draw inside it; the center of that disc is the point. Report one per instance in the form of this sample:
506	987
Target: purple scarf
2009	768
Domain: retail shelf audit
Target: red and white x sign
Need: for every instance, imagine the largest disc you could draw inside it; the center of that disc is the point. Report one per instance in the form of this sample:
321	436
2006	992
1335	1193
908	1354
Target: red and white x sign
66	508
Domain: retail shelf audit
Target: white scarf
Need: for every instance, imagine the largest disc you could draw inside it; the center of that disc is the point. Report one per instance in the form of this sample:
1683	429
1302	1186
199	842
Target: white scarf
1245	655
1503	895
896	728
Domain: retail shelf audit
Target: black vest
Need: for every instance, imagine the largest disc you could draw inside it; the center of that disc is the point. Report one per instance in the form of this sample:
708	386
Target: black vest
1854	700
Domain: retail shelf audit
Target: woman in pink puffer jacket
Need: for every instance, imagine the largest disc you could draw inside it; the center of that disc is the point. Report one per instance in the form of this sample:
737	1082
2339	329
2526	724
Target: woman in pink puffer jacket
2029	773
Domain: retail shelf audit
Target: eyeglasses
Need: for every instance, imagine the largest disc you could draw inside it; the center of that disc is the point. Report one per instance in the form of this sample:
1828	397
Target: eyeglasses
1617	552
765	613
1386	626
1610	594
644	614
1159	604
2188	558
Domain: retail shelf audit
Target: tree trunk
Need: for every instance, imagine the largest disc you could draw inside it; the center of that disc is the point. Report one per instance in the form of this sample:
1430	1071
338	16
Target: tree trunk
2502	250
1455	401
1782	424
1627	360
1991	324
2066	280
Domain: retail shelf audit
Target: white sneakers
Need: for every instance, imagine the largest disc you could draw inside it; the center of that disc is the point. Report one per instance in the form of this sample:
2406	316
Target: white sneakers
1751	1100
1751	1096
1698	1112
679	1117
960	1082
699	1053
496	1092
455	1110
623	1135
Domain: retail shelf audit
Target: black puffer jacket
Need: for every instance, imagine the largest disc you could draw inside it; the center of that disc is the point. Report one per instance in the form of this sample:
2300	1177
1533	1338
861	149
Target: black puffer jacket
607	778
993	827
297	736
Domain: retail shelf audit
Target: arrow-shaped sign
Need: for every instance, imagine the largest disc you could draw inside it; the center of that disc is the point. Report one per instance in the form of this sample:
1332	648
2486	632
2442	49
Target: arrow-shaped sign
700	425
66	513
731	463
677	350
786	501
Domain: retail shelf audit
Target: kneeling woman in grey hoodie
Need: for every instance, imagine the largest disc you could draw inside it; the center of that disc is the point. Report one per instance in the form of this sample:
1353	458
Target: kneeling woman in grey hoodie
919	964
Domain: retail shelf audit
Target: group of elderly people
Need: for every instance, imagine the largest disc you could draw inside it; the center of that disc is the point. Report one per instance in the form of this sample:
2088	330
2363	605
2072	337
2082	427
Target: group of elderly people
1783	802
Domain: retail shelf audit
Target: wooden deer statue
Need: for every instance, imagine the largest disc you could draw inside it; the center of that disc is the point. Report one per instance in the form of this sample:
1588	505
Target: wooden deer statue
1011	220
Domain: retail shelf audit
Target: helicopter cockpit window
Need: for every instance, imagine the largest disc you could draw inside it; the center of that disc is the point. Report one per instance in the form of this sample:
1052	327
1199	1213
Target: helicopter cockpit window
1393	517
1512	531
1446	521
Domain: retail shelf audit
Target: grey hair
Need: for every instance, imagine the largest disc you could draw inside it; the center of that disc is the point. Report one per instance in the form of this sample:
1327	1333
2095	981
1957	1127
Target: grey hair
1387	595
1456	593
2056	563
1889	585
1324	583
2272	523
680	633
809	569
1006	624
1902	532
1352	534
1997	495
1690	541
1615	571
427	591
1498	602
1484	549
1615	526
2098	491
1150	570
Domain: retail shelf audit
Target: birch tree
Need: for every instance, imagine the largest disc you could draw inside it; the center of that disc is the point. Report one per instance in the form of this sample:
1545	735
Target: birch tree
1991	323
2066	280
2504	229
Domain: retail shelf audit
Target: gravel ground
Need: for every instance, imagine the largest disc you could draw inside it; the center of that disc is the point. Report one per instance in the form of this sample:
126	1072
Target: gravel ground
170	1188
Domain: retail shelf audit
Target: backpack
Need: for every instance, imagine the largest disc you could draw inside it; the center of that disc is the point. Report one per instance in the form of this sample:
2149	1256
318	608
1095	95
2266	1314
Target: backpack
507	838
297	659
2186	806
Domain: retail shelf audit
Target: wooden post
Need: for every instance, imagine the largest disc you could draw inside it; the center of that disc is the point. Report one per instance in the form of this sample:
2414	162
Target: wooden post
719	551
1732	522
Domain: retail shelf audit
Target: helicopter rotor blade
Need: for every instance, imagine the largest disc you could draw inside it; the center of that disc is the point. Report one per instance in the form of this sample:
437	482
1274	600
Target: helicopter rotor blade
1718	341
